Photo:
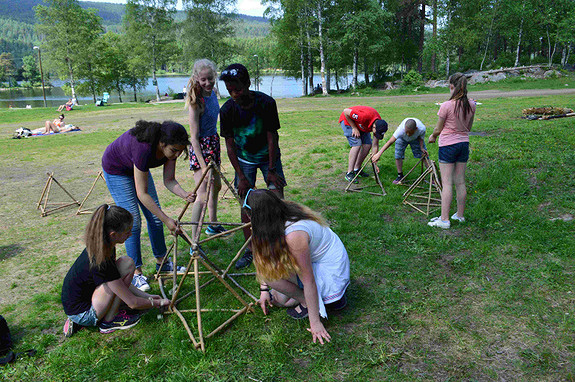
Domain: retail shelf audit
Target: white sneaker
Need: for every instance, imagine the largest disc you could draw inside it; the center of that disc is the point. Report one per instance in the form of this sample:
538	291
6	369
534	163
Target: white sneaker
455	217
437	222
141	282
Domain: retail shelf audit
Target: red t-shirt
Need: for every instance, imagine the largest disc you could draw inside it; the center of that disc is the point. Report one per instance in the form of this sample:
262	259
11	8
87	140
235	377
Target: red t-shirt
363	116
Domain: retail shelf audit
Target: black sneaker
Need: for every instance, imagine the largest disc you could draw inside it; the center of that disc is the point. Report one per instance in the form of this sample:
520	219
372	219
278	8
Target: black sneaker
120	322
337	305
245	260
215	229
349	177
398	180
362	174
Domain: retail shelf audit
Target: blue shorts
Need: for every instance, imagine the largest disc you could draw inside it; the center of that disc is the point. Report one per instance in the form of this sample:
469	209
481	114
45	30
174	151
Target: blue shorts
87	318
250	171
458	152
401	145
364	138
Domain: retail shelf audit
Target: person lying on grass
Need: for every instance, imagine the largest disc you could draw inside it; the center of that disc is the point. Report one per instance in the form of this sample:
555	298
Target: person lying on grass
97	283
411	131
301	263
56	126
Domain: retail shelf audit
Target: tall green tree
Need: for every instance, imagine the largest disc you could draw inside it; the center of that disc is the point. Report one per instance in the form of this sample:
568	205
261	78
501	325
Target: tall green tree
206	30
67	31
30	70
150	32
7	67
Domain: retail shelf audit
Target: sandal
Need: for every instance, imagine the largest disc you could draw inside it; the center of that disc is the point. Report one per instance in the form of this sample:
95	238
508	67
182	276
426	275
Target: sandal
293	312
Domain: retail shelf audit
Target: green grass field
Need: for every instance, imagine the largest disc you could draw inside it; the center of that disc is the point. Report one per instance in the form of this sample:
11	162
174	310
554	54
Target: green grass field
491	299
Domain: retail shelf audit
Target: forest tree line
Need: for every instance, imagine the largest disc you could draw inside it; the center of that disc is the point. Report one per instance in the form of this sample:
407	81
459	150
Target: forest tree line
382	39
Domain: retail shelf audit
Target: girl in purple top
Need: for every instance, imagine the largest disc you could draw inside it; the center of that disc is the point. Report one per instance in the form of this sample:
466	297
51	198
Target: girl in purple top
203	109
453	127
126	163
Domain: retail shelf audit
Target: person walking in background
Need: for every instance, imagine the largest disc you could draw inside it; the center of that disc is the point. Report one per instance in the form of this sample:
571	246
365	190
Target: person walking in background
453	127
126	163
249	122
358	122
203	111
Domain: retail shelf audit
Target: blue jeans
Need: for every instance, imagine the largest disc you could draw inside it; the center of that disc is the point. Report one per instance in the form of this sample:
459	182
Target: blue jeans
123	190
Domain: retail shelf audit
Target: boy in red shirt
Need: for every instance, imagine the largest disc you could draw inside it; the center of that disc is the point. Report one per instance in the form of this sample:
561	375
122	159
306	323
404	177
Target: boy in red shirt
358	122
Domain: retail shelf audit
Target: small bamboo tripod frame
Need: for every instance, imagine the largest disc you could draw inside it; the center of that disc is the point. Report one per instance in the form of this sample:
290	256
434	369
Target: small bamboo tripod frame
375	176
81	210
429	198
47	207
421	162
198	256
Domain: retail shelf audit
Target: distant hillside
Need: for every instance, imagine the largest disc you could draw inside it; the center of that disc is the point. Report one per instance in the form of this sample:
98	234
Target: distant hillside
17	24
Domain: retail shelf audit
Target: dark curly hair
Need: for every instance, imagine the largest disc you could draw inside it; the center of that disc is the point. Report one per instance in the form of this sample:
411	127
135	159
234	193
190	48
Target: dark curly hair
167	132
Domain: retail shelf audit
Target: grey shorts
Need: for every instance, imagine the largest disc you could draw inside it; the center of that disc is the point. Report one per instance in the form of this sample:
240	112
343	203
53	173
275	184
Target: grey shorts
87	318
401	145
364	138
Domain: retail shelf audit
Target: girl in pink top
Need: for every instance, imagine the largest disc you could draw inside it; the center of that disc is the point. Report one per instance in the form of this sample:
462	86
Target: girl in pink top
453	126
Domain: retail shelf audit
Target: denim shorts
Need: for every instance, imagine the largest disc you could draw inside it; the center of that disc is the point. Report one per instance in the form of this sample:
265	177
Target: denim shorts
458	152
87	318
250	171
401	145
364	138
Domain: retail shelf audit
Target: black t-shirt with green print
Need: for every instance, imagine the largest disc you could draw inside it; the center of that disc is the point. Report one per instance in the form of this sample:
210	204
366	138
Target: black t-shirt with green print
249	128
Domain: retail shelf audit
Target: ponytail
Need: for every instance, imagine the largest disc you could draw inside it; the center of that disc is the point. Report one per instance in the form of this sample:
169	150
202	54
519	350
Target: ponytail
459	82
97	235
167	132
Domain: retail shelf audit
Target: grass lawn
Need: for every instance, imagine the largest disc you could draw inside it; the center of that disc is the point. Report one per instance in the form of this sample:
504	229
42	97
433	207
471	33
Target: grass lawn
491	299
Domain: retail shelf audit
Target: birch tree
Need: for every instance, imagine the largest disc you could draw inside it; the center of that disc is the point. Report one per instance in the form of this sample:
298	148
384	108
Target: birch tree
149	26
67	31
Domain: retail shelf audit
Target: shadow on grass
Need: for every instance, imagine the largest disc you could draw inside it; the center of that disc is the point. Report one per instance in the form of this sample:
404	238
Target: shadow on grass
10	250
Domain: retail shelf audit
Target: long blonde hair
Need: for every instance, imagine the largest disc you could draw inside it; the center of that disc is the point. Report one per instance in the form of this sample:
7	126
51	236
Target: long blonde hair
97	235
194	96
269	214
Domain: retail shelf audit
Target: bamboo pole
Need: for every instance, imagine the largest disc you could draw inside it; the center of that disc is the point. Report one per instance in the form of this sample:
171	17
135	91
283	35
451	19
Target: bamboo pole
196	345
232	318
225	233
66	191
198	305
80	211
44	190
237	256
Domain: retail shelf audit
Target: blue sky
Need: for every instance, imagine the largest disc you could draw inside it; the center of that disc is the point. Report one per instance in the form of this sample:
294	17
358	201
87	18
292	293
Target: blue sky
246	7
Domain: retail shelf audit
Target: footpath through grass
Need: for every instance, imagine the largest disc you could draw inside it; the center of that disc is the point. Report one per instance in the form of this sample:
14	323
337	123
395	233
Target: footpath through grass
491	299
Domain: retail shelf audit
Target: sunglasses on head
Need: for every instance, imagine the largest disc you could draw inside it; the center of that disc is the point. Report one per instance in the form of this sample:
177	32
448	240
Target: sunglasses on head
230	72
246	205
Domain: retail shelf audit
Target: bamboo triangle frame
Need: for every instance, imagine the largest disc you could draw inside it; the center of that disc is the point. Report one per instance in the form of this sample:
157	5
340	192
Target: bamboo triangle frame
428	199
82	210
200	258
45	206
375	176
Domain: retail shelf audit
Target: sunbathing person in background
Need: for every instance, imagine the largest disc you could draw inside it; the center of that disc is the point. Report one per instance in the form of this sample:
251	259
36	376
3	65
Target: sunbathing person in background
68	105
56	126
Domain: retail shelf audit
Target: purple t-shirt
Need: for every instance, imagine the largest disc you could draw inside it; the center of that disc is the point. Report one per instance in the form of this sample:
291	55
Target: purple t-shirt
125	152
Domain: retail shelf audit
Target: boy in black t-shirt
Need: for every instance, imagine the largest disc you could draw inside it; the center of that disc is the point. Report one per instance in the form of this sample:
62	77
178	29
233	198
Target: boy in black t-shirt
249	123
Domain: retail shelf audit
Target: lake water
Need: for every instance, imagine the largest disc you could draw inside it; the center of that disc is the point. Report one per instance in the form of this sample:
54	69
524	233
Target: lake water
277	87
